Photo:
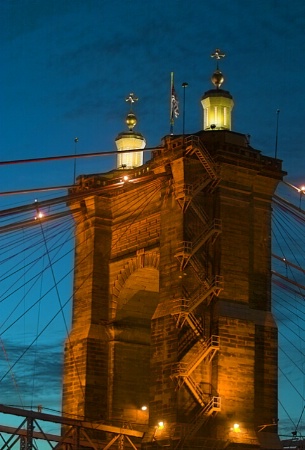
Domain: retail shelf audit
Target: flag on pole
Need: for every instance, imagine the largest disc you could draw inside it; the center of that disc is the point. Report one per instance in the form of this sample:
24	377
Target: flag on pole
174	105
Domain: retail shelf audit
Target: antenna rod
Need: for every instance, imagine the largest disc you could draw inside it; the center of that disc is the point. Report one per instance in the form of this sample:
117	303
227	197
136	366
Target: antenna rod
277	132
74	168
184	85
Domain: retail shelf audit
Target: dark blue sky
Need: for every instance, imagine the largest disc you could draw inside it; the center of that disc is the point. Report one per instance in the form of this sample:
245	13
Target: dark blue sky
67	66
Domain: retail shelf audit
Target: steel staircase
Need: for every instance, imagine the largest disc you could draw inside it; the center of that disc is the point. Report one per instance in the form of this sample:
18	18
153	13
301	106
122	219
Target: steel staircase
198	269
211	408
184	193
187	249
205	353
194	146
197	208
194	347
211	232
205	292
195	326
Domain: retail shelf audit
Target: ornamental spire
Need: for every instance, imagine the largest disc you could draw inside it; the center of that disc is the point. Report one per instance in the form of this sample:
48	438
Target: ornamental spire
131	99
217	103
130	140
217	77
131	119
217	55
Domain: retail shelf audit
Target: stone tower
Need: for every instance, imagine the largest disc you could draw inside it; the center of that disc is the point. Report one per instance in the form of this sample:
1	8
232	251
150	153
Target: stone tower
172	328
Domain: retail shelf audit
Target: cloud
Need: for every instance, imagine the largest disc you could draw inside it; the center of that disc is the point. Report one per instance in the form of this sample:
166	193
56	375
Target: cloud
37	375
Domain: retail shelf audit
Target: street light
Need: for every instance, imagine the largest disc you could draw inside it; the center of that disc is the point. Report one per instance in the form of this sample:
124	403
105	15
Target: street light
302	192
184	85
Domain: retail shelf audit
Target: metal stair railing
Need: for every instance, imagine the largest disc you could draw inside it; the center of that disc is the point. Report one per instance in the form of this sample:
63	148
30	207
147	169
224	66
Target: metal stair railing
183	190
184	316
184	248
195	390
179	373
187	342
180	311
183	307
199	185
196	326
185	369
198	269
213	228
195	146
200	294
183	311
202	156
199	211
213	406
184	193
209	348
180	306
187	249
183	253
204	291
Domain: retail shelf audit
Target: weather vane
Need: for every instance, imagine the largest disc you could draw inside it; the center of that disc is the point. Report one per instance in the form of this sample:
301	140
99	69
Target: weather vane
131	99
217	55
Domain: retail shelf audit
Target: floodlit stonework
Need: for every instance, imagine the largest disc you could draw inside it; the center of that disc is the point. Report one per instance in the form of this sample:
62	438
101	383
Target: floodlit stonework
172	297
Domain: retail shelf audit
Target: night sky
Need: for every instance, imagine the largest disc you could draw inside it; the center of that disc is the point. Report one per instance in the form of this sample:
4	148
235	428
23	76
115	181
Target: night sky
67	66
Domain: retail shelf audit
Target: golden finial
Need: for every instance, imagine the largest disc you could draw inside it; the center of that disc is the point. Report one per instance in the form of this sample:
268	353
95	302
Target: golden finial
217	77
131	119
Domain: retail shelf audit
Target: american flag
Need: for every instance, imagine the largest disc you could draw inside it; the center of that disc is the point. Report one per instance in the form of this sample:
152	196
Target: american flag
175	104
174	101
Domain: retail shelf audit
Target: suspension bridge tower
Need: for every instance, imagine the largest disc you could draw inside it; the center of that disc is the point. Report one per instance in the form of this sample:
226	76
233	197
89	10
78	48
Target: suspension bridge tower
172	331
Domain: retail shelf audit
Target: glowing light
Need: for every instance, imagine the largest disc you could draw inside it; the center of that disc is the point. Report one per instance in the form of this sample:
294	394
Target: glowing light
302	189
160	425
236	427
125	178
217	111
144	408
40	215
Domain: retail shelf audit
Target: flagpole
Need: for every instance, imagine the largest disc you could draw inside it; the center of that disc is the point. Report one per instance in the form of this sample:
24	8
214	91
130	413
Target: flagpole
277	132
184	85
171	130
74	170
